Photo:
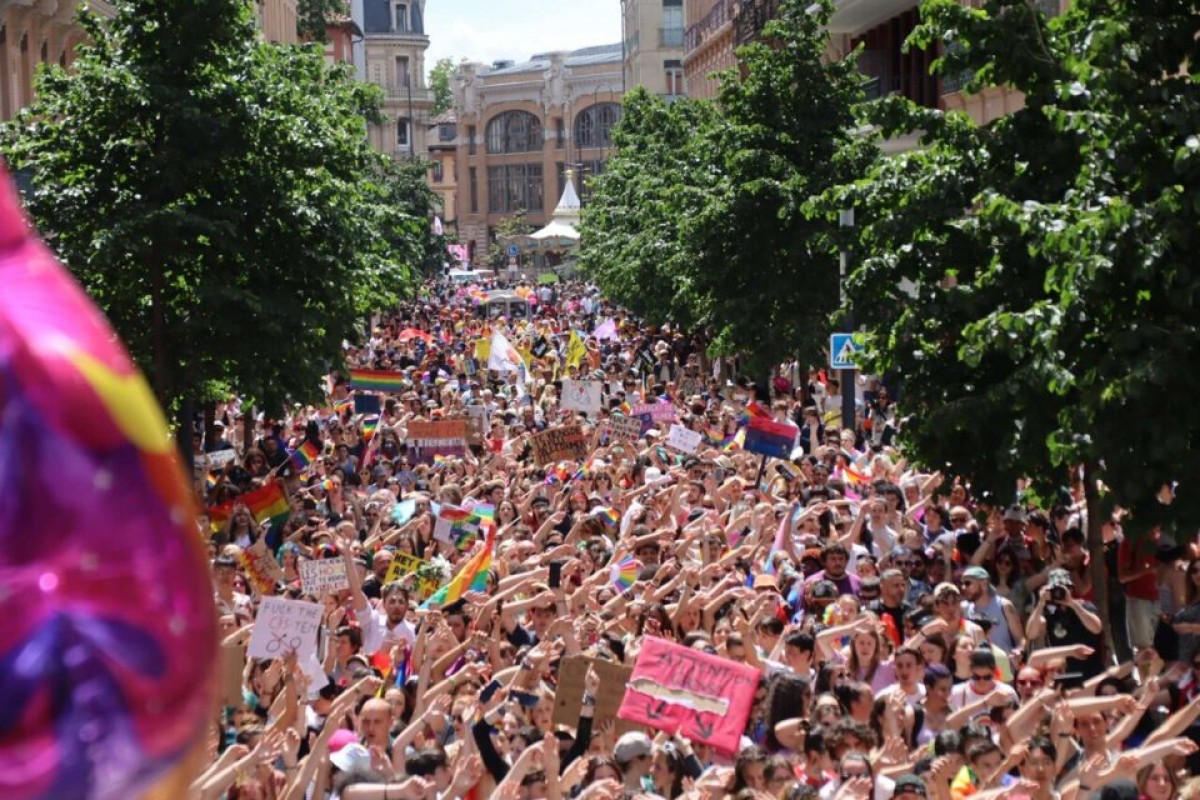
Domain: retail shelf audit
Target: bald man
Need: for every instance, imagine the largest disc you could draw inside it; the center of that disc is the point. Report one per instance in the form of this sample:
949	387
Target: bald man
375	724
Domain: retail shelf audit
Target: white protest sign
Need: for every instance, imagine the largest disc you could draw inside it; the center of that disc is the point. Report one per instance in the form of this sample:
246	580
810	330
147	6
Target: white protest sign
323	575
219	458
683	440
283	626
582	396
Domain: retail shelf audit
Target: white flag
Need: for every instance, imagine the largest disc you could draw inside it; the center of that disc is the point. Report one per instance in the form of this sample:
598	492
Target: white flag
504	357
438	229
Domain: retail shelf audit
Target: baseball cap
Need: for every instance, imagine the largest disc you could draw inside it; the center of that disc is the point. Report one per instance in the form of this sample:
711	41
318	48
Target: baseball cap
351	757
824	589
976	574
909	785
1014	513
632	745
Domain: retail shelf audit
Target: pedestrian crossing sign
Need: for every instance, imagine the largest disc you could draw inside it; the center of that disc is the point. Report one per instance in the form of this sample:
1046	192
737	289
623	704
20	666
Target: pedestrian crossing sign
843	347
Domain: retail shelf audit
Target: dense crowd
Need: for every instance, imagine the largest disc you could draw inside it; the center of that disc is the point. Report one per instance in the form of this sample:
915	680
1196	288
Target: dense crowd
908	639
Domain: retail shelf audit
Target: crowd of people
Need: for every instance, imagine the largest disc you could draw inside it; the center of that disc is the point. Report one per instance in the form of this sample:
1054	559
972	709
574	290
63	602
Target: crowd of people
910	639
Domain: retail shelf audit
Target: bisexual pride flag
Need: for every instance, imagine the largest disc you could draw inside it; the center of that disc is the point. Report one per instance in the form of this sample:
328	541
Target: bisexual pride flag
769	438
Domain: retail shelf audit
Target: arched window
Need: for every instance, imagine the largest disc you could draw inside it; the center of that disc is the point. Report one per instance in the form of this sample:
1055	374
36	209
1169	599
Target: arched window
514	132
593	125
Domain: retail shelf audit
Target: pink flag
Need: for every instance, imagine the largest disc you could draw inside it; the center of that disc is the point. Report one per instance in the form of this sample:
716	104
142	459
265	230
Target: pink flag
606	330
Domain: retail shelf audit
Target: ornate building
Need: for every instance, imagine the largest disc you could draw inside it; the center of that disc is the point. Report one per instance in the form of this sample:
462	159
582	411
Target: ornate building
36	32
521	126
393	58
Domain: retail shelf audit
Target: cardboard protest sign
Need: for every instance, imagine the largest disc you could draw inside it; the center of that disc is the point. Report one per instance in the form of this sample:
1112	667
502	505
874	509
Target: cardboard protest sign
769	438
232	662
261	568
477	425
559	444
658	412
442	438
283	626
627	428
568	698
684	440
323	575
677	689
582	396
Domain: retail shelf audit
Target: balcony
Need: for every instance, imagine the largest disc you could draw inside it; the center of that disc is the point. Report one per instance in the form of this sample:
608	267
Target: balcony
752	18
893	72
399	90
708	25
670	37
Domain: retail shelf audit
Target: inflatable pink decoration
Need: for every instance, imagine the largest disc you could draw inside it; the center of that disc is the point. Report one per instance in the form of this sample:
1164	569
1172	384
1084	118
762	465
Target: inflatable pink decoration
108	639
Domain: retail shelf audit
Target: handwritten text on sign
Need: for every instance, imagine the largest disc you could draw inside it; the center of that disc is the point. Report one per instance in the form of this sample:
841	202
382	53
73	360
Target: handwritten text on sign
283	626
323	575
684	440
680	690
559	444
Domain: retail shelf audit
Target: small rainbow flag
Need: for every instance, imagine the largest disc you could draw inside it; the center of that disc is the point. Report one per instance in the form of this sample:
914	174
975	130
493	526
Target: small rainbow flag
210	482
854	476
441	462
608	516
267	502
374	380
343	405
625	573
305	455
369	426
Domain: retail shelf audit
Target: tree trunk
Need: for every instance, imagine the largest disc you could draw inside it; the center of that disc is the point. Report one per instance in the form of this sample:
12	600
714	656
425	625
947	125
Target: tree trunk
183	436
247	428
1095	544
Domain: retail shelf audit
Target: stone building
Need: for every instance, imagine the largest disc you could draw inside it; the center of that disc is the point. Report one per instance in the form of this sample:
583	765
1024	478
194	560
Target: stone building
522	126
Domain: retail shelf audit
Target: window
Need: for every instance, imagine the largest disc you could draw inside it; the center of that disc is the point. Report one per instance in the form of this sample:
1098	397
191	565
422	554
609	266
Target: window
671	34
560	133
471	139
401	21
401	71
402	139
447	132
514	132
588	170
513	187
474	191
593	126
674	72
438	172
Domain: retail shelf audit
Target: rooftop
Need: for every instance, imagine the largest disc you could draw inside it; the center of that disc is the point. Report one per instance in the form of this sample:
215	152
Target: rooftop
585	56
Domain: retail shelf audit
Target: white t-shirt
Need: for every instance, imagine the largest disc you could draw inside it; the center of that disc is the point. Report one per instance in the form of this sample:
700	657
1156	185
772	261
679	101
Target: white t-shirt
963	695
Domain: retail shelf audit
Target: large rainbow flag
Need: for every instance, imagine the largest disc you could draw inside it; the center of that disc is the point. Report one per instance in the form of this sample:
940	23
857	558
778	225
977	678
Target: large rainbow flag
471	578
375	380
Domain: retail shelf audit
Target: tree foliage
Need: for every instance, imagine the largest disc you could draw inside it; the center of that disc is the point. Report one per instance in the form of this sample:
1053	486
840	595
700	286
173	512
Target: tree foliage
313	15
218	197
729	234
439	82
1056	313
507	230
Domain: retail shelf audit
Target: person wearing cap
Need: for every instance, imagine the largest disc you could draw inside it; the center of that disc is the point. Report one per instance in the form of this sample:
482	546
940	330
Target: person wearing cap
947	604
909	787
633	754
1007	631
1066	620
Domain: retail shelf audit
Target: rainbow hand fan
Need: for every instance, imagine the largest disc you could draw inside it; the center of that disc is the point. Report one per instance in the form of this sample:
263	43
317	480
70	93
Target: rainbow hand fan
625	573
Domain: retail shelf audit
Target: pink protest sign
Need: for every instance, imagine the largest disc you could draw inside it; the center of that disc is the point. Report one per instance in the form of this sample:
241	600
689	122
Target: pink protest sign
677	689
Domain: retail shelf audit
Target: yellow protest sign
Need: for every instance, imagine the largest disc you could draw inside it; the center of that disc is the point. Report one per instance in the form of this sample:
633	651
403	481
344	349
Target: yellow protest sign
576	351
402	564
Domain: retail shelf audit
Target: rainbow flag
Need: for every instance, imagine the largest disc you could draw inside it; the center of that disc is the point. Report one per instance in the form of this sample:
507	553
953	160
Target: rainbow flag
608	517
370	425
441	462
374	380
756	409
471	578
210	482
267	502
343	405
304	455
854	476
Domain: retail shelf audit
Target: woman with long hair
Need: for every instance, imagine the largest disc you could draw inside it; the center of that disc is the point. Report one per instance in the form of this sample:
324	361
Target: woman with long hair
1156	782
866	660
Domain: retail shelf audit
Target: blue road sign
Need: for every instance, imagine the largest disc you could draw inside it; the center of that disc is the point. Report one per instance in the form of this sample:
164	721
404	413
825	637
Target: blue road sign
842	350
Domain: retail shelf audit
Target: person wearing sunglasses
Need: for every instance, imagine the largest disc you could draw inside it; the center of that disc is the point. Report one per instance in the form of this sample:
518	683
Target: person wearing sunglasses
981	683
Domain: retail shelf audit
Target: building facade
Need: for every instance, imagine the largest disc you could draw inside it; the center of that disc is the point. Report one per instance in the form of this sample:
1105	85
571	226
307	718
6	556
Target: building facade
36	32
442	137
522	126
394	45
653	46
717	27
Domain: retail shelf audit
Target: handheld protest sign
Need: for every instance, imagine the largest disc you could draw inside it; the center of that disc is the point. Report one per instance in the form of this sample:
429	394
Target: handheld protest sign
108	653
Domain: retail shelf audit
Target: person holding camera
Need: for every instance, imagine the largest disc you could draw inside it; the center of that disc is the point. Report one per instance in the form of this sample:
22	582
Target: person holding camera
1066	620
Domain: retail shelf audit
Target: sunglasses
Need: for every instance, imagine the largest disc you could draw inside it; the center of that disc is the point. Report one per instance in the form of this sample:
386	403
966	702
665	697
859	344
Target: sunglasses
985	677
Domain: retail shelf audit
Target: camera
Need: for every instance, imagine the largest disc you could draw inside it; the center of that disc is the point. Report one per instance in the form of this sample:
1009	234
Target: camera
1058	594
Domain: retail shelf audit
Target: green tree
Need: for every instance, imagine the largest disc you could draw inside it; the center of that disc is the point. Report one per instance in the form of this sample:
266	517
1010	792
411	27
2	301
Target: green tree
218	197
735	227
1055	311
312	16
507	230
439	82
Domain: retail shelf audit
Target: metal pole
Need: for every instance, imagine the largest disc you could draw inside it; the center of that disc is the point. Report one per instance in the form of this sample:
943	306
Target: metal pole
847	377
412	124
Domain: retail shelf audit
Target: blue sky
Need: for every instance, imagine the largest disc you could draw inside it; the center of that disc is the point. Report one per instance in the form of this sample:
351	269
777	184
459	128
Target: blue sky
488	30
